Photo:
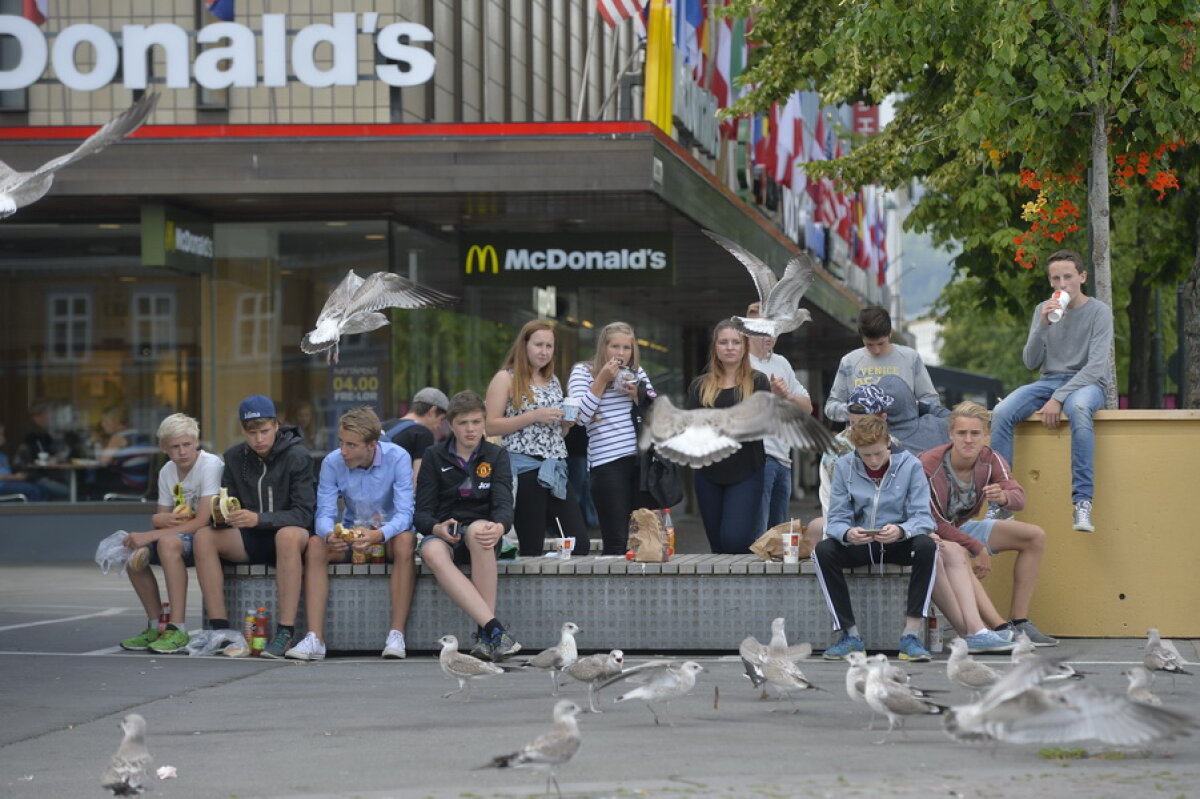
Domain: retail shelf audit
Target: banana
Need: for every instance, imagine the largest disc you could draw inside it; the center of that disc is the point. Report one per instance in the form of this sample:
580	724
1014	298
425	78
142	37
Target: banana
224	506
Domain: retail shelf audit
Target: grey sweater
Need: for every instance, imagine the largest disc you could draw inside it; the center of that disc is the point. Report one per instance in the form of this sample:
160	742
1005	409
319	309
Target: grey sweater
860	367
1077	345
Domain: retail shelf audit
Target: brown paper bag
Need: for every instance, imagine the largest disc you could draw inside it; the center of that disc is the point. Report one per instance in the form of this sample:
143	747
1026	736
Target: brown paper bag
769	545
647	538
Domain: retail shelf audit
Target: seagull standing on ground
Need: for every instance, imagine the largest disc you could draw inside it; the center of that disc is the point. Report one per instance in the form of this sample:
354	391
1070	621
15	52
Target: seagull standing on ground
548	752
754	653
355	305
128	768
1139	686
704	436
593	669
964	670
463	668
891	699
1162	656
779	299
559	656
19	189
665	680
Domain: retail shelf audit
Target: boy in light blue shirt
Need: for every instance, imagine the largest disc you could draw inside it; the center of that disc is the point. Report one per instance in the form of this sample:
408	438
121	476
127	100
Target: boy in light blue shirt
374	481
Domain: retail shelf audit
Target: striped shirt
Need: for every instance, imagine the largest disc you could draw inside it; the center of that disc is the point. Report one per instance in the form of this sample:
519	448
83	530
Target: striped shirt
608	418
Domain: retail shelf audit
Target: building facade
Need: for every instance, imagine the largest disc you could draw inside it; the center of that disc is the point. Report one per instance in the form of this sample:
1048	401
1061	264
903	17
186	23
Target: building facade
494	150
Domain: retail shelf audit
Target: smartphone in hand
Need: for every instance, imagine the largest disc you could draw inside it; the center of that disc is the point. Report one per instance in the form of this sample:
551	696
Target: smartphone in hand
871	533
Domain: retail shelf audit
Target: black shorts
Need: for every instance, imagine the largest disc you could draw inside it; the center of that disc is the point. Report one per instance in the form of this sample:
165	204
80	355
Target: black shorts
259	545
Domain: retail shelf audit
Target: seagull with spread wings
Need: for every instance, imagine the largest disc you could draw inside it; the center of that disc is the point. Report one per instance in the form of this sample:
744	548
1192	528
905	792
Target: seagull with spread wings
19	189
779	298
355	305
704	436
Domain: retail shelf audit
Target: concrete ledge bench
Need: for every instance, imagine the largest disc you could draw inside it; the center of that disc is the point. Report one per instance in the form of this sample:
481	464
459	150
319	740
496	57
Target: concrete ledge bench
693	603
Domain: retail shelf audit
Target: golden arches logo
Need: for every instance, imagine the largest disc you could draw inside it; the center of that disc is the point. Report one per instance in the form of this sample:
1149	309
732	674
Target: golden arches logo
478	258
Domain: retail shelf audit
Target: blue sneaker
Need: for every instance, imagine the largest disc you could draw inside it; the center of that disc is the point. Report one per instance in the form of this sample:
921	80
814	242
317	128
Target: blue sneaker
1005	633
987	642
845	645
912	651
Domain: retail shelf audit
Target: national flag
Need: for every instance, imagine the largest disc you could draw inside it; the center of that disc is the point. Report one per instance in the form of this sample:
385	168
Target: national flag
799	179
36	11
842	202
689	19
613	11
879	239
730	59
221	9
785	139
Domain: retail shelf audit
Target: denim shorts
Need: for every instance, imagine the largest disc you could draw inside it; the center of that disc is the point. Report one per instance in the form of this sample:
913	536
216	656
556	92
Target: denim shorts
980	530
188	559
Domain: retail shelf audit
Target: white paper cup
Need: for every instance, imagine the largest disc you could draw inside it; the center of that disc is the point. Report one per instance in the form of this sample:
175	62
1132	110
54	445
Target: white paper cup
43	458
570	407
565	546
791	547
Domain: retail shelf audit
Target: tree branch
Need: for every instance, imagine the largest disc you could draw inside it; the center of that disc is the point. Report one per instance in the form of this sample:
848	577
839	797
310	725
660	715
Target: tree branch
1077	34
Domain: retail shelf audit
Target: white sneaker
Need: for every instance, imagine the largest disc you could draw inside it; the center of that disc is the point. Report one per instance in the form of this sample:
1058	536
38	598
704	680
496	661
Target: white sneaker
394	648
1083	517
309	648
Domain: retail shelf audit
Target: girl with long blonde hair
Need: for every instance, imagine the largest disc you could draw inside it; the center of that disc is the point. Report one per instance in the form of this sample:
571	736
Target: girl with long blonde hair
525	407
608	388
730	491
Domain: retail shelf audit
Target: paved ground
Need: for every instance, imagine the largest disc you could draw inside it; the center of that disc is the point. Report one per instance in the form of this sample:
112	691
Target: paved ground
362	727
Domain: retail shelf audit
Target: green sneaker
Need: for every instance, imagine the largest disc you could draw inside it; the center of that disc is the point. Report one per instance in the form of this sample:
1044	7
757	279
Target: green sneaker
141	642
170	642
279	645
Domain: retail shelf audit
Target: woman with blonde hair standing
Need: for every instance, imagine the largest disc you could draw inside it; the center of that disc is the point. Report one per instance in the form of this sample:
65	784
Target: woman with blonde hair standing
608	389
524	407
729	492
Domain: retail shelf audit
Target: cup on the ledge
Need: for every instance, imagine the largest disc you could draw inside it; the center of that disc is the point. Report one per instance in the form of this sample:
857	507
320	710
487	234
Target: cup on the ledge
565	546
791	547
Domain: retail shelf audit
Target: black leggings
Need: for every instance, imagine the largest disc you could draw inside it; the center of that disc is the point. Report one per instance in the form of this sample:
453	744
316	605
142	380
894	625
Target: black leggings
535	512
615	492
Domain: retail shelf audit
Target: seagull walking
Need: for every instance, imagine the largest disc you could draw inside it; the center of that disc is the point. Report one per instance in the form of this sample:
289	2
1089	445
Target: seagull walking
785	675
1139	686
463	668
894	700
964	670
779	299
1162	656
664	681
704	436
547	752
594	669
19	189
355	305
559	656
127	770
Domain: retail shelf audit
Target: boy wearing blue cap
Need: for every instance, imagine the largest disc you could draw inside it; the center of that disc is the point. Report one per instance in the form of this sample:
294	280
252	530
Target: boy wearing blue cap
271	474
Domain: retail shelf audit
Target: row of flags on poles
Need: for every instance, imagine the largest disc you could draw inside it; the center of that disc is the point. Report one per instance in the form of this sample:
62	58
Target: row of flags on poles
782	141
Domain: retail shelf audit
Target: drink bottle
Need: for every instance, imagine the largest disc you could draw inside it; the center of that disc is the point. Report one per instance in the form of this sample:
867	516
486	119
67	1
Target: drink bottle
258	642
164	616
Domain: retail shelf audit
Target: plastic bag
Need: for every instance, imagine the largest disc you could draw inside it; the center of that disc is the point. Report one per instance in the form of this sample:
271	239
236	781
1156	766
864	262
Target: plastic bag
209	642
113	554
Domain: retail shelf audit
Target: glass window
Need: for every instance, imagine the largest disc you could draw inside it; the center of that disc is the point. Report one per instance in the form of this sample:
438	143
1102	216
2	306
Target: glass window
68	326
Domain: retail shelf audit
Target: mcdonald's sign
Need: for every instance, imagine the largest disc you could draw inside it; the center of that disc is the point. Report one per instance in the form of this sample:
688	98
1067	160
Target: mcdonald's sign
579	259
479	257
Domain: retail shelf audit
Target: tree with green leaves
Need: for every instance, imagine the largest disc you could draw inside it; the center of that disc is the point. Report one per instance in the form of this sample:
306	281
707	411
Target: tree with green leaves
994	98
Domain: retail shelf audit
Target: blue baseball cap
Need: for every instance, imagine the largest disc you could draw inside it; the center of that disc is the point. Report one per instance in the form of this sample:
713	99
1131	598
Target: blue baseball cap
256	406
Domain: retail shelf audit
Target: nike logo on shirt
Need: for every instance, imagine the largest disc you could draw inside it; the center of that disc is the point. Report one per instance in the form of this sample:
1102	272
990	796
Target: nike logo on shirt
447	468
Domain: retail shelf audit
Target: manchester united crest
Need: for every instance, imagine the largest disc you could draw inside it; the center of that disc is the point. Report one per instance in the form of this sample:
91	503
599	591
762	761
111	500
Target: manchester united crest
483	470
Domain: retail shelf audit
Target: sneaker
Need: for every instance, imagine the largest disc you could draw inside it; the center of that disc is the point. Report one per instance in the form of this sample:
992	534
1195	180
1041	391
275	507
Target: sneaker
987	642
912	651
482	649
504	646
309	648
1083	517
170	642
844	646
141	642
1005	632
394	648
279	645
996	513
1036	636
140	559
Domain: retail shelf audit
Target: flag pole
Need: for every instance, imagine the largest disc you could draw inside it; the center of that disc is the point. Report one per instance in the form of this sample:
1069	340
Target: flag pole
587	62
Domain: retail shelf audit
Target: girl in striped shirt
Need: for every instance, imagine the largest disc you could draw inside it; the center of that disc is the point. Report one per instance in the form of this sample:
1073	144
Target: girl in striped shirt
607	389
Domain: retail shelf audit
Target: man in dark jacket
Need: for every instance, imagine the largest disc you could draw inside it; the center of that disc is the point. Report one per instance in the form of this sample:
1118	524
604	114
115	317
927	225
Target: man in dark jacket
271	474
464	505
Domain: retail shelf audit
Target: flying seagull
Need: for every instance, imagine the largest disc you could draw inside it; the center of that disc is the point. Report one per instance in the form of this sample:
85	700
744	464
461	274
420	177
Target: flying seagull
548	752
19	189
779	299
706	435
355	305
128	767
